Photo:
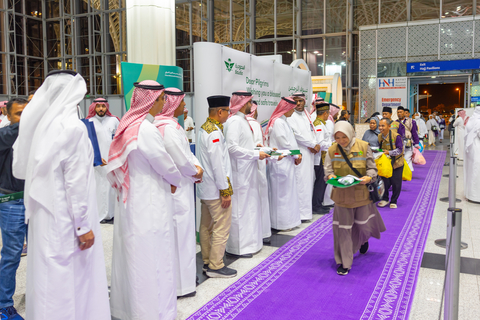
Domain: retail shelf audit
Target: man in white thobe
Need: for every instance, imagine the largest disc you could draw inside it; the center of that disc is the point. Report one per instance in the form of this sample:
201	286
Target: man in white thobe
262	173
471	165
66	276
105	126
323	139
284	213
246	230
330	124
188	125
459	126
143	263
178	148
215	192
304	133
432	126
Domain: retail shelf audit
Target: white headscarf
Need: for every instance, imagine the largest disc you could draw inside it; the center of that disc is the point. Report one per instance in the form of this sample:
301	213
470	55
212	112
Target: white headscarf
52	109
472	129
346	128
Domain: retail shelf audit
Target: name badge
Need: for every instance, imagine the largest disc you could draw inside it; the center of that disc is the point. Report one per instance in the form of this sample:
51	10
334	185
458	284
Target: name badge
319	130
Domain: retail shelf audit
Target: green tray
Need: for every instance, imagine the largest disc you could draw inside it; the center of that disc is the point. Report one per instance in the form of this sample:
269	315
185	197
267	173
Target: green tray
334	182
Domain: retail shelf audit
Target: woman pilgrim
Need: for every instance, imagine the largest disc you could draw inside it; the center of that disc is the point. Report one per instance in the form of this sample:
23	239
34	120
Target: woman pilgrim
371	135
355	216
178	147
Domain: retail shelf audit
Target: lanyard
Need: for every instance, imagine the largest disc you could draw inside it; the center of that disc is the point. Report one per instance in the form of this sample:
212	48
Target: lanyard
11	197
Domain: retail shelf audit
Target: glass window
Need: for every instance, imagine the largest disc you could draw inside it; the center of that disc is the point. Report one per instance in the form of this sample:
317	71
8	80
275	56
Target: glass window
20	78
35	38
264	48
33	8
67	6
285	48
335	54
313	55
199	26
365	13
284	18
82	39
53	8
264	19
221	17
336	16
3	74
182	27
238	23
35	73
53	39
455	8
424	9
183	61
312	17
115	79
19	35
393	11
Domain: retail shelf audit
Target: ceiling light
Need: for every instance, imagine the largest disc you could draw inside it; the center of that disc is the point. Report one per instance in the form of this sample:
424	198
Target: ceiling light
316	52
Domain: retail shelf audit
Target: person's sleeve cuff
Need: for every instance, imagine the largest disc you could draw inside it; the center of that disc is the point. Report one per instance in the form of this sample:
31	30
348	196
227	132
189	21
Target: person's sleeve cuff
82	227
227	192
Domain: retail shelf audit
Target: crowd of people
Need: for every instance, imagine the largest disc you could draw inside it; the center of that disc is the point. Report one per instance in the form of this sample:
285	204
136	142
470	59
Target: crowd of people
249	180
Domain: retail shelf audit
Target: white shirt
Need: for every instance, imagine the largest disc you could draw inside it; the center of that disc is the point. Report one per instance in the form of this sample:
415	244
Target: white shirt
212	153
323	139
187	124
4	121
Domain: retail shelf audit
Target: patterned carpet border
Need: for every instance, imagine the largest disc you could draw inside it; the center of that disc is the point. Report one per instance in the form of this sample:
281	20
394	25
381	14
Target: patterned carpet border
393	295
239	295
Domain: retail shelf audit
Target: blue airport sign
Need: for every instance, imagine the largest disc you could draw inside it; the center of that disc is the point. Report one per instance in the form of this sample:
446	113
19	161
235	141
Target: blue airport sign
475	99
433	66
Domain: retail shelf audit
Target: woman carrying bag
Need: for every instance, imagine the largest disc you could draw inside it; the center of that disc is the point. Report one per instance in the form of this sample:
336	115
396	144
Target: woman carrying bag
355	216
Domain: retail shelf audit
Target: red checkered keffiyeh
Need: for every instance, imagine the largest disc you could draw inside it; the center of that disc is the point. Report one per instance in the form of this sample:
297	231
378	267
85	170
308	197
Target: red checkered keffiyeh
3	104
333	112
172	102
237	102
302	96
285	105
125	139
253	109
91	109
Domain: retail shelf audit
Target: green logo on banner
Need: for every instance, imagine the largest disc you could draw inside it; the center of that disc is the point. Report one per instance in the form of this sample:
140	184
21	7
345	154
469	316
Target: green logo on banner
229	64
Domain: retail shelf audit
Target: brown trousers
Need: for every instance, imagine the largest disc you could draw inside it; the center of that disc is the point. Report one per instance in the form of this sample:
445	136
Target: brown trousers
352	227
214	231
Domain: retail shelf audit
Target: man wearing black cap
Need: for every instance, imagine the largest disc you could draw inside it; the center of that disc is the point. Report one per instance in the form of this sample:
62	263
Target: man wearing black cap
410	140
323	139
396	126
216	190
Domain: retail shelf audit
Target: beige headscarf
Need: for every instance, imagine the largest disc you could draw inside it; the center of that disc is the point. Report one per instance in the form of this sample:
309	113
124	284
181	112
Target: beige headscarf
347	129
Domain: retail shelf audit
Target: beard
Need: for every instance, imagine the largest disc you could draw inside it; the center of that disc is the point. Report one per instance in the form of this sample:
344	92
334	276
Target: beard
101	114
248	110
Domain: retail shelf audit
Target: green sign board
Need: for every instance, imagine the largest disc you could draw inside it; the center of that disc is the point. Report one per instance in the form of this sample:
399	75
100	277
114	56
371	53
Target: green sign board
169	76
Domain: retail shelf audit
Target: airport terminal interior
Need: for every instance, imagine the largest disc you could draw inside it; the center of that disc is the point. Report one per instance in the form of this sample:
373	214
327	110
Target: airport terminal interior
364	56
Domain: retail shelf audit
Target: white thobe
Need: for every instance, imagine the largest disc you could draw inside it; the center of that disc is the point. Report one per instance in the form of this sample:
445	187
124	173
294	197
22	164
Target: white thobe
323	137
431	135
282	182
459	126
105	128
471	165
4	121
262	179
187	123
143	264
178	148
246	230
327	201
64	282
305	173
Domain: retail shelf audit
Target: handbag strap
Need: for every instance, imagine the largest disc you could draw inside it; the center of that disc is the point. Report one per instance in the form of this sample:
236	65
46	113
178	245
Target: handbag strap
391	146
348	162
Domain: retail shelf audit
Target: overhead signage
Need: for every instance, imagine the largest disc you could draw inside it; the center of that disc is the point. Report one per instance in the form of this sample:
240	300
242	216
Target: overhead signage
475	99
434	66
391	92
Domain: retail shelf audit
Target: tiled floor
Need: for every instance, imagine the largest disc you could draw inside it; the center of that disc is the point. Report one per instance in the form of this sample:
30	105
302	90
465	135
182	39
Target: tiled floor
426	304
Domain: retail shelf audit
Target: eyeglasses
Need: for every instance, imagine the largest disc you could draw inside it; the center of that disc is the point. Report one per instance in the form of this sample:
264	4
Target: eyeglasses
227	110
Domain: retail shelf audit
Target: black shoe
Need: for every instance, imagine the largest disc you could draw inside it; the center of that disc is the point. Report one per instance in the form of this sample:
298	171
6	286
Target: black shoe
188	295
267	240
306	221
321	210
364	248
222	273
205	267
105	221
342	271
248	255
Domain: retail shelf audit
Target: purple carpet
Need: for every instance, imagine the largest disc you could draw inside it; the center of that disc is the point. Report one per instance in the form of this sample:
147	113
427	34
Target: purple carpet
299	280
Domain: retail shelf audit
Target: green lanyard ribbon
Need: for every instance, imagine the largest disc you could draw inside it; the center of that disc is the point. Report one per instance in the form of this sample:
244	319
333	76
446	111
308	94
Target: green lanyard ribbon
11	197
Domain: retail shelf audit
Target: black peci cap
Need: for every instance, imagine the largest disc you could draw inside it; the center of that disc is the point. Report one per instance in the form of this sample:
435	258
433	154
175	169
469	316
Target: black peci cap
400	108
218	101
387	109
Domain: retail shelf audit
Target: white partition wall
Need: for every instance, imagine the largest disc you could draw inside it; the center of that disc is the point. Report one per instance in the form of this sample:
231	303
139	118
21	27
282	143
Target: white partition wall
220	70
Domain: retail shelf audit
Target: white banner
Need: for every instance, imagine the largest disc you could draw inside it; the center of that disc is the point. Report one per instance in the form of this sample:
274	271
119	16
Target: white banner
220	70
391	92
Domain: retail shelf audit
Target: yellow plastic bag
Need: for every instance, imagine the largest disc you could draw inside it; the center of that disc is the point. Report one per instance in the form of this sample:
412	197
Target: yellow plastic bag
407	173
384	166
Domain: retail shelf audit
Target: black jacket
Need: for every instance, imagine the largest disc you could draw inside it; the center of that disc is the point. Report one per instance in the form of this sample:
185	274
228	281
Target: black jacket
8	135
